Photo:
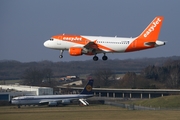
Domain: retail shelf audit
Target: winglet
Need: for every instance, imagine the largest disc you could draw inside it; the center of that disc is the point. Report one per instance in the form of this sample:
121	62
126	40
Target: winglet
152	30
88	88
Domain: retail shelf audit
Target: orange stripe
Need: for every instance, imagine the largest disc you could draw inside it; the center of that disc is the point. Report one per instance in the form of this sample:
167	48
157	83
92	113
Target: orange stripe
105	48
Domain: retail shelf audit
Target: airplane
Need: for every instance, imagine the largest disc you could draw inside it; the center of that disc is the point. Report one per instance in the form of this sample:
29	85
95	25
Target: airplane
55	100
78	45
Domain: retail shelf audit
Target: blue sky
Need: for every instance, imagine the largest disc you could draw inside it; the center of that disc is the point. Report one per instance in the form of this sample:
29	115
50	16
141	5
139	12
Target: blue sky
26	24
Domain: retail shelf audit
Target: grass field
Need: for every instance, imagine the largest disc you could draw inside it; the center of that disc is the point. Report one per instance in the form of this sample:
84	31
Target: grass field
75	112
9	81
171	101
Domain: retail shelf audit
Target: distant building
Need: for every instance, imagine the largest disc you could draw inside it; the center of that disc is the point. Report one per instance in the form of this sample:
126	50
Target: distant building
79	82
26	90
71	77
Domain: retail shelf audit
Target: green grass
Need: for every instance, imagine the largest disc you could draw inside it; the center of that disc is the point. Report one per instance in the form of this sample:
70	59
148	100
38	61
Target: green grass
172	101
75	112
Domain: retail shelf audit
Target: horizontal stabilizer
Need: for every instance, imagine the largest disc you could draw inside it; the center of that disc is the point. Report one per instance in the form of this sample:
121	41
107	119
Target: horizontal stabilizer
157	43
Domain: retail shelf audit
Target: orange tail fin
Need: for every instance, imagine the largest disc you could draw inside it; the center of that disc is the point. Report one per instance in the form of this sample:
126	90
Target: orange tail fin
147	39
153	29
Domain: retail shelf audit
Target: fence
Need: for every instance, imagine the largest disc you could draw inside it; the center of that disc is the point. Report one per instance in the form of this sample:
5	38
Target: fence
131	107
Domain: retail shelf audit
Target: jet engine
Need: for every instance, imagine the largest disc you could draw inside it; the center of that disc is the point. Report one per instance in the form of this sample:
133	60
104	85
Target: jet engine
75	51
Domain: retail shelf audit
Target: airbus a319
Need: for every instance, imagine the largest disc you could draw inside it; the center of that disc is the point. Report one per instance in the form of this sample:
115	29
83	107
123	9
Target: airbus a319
78	45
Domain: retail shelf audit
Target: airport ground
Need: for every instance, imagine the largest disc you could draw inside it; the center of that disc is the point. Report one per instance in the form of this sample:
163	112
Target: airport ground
76	112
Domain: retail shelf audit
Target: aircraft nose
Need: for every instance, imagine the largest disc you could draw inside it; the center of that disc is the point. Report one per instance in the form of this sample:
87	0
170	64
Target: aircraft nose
46	43
13	102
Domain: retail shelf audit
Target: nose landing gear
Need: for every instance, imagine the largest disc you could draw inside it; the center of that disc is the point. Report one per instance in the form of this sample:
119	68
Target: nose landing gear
61	54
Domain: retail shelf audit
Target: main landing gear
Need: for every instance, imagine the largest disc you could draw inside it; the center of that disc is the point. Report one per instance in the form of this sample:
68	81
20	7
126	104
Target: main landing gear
104	57
61	54
95	58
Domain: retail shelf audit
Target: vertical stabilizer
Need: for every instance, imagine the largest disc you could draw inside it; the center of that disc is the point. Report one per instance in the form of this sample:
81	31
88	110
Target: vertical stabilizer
148	38
88	88
152	30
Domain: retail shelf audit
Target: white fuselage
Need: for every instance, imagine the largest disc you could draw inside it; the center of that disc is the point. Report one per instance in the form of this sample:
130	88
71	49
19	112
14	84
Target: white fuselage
116	44
35	100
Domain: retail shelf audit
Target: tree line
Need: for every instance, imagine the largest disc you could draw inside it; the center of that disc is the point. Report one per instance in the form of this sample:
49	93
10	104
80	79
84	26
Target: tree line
138	73
10	69
151	77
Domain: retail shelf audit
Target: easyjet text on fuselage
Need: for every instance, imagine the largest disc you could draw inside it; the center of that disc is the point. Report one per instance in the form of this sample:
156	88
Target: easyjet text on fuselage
72	38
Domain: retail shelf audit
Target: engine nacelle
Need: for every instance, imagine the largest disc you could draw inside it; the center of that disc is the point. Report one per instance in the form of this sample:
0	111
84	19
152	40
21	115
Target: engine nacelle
66	101
52	103
75	51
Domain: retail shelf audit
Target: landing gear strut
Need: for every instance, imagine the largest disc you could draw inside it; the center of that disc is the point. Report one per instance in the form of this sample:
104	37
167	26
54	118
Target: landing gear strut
19	106
61	54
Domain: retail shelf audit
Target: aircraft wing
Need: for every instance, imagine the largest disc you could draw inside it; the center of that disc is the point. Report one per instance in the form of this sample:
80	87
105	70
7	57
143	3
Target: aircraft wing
97	47
43	102
92	45
65	101
55	102
49	101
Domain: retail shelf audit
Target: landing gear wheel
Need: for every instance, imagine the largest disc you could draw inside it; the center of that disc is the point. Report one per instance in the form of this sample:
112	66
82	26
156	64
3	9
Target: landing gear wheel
95	58
61	56
19	106
104	57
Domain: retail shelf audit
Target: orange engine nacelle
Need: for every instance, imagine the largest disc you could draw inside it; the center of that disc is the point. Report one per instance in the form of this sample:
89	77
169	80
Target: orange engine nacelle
74	51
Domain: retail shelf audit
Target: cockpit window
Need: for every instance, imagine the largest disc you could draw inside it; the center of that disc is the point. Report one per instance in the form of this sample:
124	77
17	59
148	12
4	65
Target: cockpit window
51	39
